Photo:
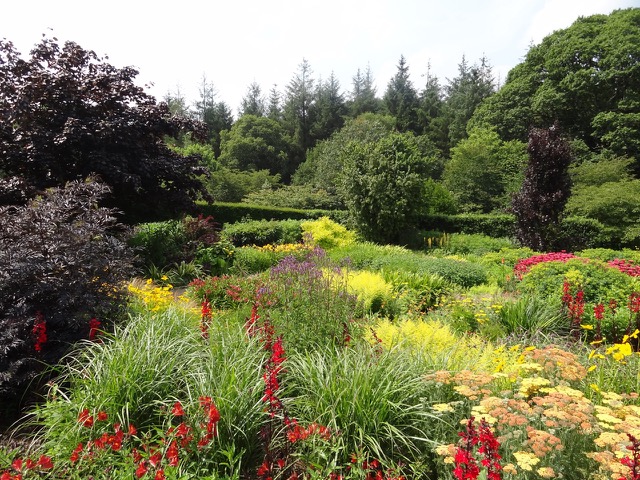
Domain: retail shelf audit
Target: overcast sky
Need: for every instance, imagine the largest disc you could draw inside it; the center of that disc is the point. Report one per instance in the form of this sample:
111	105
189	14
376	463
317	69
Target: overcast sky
236	42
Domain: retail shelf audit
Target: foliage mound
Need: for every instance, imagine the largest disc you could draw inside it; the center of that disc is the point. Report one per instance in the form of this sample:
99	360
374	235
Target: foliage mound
263	232
327	234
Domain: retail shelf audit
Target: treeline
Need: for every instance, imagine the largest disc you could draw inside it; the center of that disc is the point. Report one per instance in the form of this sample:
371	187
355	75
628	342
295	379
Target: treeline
290	148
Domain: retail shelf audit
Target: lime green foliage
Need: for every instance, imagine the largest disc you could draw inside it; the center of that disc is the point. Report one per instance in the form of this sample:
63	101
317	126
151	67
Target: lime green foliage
374	294
607	254
328	234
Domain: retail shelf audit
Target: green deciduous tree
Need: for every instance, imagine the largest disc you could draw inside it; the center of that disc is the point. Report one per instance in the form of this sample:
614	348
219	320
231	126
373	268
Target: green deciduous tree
483	171
586	76
383	185
66	114
324	162
257	143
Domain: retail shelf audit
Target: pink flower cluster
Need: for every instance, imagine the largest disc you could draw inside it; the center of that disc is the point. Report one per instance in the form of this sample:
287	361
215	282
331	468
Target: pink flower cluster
625	266
523	266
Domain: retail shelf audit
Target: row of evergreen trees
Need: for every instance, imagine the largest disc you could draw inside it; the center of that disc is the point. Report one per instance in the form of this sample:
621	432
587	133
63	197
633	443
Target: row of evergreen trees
311	110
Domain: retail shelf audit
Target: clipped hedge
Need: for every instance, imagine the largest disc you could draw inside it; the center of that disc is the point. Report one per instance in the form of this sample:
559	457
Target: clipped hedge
493	225
225	213
263	232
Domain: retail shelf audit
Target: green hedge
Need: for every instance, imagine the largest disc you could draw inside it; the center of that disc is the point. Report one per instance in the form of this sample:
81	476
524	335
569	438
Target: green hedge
492	225
263	232
225	213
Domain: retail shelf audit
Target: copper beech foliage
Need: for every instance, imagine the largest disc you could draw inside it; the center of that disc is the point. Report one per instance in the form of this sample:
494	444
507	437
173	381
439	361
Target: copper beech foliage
66	114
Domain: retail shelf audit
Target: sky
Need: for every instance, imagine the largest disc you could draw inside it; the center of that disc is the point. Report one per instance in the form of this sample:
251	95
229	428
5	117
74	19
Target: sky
233	43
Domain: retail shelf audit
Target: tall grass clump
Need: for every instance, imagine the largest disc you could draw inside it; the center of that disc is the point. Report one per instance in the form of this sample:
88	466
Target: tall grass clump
374	400
138	375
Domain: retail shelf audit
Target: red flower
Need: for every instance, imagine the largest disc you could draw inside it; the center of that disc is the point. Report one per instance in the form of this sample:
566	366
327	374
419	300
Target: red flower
94	325
177	410
85	418
45	462
132	430
141	471
172	454
75	455
102	416
39	331
159	475
17	464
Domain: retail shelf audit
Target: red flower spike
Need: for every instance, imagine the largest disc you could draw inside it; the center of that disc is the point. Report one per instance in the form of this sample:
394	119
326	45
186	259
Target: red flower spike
94	325
39	331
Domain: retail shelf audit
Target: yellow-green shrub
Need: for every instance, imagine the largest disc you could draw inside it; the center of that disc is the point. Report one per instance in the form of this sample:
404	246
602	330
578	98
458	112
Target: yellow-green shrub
327	234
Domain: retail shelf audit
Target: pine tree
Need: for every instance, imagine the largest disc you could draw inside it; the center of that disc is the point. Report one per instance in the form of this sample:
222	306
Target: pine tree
401	99
253	102
330	109
363	95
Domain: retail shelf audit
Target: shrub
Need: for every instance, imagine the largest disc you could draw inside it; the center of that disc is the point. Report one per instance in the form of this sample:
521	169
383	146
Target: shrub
62	263
182	249
327	234
374	294
258	259
263	232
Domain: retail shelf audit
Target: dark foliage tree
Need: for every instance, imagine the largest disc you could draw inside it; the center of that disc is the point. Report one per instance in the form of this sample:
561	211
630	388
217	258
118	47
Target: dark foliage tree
62	264
362	98
401	99
539	204
66	114
253	102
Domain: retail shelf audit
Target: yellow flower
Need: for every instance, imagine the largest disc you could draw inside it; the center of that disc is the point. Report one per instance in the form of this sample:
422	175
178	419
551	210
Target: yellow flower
526	460
586	327
442	407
